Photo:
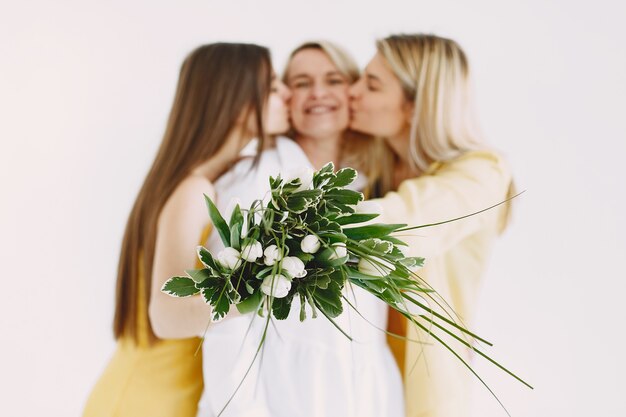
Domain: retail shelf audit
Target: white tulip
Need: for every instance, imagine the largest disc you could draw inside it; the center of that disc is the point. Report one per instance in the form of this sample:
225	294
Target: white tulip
375	267
293	266
310	244
276	286
339	251
272	255
252	250
305	174
229	258
368	207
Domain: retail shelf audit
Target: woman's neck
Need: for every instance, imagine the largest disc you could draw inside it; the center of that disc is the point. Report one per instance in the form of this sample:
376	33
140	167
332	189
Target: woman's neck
404	168
320	151
219	163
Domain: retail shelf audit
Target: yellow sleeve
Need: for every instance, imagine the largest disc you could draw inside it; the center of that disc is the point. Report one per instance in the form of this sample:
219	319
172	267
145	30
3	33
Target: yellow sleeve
465	185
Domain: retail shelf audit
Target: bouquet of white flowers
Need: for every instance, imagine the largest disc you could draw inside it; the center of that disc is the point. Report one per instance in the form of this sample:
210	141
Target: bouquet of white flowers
312	238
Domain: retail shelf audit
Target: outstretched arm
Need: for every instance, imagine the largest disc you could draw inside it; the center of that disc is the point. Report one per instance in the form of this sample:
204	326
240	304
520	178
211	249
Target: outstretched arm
179	227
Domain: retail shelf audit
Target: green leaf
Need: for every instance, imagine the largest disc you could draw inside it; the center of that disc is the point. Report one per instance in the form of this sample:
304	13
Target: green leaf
281	307
207	259
326	169
302	307
354	274
235	233
302	200
305	257
355	218
180	287
344	196
218	221
251	303
345	176
378	230
235	225
199	275
412	262
328	301
216	293
376	246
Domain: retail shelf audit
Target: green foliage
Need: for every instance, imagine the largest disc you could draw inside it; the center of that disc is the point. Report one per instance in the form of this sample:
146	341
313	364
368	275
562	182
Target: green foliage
326	211
378	230
180	287
199	275
218	293
218	221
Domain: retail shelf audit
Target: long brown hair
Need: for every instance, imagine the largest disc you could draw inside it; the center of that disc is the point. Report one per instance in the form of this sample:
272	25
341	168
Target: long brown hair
217	84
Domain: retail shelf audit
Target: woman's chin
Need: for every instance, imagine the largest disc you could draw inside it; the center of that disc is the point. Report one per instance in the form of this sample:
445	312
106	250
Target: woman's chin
358	127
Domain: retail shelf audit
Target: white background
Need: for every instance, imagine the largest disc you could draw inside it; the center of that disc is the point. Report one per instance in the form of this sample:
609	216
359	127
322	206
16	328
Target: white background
85	89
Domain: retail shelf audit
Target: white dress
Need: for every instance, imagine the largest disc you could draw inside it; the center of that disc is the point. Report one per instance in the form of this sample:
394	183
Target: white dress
305	368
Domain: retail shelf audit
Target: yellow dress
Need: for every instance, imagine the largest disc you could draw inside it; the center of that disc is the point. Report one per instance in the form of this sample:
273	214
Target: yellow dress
436	384
162	380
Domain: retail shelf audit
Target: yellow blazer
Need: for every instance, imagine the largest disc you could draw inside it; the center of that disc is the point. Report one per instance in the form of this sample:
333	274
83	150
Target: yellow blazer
435	382
162	380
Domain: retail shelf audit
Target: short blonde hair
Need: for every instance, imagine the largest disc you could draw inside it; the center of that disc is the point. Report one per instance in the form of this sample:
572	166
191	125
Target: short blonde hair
338	56
357	148
434	74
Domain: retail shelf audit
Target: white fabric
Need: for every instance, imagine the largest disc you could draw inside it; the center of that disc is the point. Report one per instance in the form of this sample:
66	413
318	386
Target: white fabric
308	368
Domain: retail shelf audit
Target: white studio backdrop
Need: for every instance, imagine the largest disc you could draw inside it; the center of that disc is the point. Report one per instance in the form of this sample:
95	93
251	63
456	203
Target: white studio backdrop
85	89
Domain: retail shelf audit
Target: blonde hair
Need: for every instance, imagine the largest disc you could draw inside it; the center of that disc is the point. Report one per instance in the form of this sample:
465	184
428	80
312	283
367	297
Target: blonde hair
338	56
434	74
357	149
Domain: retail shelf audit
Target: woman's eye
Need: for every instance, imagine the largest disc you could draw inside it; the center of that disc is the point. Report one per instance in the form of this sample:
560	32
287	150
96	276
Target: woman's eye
300	84
336	81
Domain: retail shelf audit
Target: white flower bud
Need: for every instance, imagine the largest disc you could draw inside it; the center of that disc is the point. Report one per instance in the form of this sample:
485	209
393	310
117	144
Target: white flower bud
376	267
339	251
251	251
229	258
293	266
272	255
276	286
310	244
305	174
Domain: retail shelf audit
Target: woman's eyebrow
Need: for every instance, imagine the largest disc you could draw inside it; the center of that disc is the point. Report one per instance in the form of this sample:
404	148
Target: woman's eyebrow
293	77
372	77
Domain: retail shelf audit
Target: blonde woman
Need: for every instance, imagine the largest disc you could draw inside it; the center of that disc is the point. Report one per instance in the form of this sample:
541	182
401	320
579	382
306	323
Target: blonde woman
319	75
222	101
415	94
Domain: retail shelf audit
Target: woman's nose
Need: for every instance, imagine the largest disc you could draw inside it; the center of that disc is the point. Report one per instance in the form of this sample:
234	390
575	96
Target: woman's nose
319	90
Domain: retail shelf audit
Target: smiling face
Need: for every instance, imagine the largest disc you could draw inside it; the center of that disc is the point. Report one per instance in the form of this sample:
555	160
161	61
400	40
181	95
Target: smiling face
378	104
319	101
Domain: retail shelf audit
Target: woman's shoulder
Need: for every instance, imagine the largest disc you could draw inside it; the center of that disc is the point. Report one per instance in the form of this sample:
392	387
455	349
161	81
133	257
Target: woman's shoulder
474	161
187	199
192	186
